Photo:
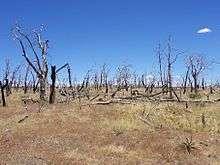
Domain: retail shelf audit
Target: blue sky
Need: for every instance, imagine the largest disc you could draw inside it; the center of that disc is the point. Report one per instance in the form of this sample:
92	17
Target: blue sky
86	33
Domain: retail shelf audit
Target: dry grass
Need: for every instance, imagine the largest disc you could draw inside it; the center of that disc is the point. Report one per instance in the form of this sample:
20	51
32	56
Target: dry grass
108	134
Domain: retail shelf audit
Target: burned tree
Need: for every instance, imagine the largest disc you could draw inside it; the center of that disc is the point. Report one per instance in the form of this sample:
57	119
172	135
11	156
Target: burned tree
96	81
185	80
170	62
171	57
69	76
3	86
53	79
52	86
39	65
197	65
123	77
12	79
159	55
6	76
26	78
35	82
104	78
203	83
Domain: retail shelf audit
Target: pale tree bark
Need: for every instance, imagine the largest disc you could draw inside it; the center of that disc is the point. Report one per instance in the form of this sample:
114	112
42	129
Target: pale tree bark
159	54
39	66
185	80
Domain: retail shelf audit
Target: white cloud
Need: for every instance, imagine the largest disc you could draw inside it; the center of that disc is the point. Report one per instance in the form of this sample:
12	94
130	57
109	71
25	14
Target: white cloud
204	30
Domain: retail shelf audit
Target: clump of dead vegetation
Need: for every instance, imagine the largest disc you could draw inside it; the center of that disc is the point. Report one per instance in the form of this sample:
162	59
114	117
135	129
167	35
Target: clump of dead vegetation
188	145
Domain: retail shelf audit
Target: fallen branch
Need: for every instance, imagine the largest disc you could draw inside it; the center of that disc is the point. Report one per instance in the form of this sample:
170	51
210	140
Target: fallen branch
144	119
94	97
23	119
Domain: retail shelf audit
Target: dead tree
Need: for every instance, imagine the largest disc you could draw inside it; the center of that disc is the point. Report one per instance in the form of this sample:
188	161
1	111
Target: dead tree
18	82
69	76
54	73
39	65
96	81
197	65
171	56
104	78
26	78
52	86
159	54
123	77
143	82
170	62
135	80
185	80
6	76
3	86
35	82
13	76
203	84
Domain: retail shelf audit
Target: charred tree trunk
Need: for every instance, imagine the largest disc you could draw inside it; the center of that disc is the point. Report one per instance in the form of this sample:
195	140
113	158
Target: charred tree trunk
3	86
52	87
203	84
69	76
211	90
8	90
195	84
25	80
106	85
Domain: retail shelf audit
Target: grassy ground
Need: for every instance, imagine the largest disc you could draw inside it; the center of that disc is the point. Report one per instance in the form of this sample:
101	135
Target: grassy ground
109	134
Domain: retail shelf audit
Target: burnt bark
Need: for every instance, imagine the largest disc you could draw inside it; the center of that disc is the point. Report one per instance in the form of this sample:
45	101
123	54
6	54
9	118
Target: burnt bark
52	86
3	86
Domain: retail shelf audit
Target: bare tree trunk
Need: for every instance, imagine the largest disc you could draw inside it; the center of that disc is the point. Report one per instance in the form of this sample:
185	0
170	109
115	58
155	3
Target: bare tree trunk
106	84
42	82
3	95
169	81
8	90
160	65
69	76
40	67
25	79
203	84
52	87
211	89
169	69
3	86
185	81
195	84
